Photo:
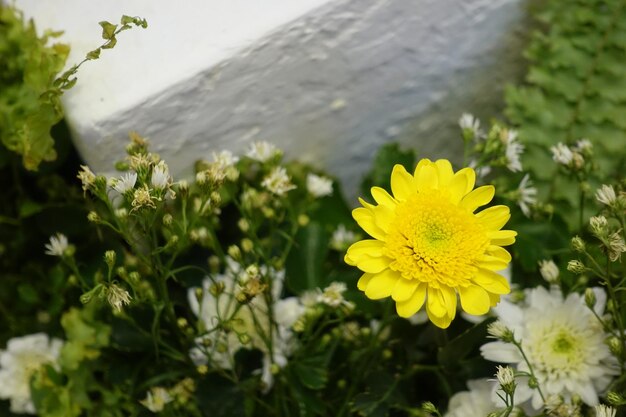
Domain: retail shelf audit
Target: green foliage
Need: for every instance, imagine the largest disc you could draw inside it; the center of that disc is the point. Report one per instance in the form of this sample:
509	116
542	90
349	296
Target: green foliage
30	103
30	65
575	87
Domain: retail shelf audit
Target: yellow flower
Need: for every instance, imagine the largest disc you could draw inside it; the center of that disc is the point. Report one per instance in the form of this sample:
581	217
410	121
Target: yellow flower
429	245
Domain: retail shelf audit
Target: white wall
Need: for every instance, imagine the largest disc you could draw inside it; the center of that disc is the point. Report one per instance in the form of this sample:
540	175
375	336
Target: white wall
328	81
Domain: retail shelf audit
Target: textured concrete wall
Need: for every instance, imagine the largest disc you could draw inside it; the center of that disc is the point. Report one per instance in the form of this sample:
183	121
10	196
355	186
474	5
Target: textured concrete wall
328	81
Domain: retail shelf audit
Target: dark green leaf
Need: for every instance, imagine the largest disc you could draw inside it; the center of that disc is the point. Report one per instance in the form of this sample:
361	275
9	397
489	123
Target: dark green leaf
305	264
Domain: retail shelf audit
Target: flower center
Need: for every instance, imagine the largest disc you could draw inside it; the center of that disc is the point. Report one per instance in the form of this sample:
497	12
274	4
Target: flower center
435	241
563	343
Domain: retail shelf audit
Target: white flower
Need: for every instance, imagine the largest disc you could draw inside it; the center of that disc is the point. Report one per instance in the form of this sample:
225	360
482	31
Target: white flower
505	376
277	181
333	295
225	159
583	145
563	341
342	238
606	195
605	411
125	183
288	311
117	297
23	356
513	151
561	154
477	402
57	246
549	271
262	151
218	346
86	177
481	172
527	195
319	186
469	122
156	399
160	176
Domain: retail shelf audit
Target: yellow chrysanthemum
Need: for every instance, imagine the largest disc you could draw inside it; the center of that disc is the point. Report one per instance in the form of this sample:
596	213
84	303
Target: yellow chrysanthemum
429	245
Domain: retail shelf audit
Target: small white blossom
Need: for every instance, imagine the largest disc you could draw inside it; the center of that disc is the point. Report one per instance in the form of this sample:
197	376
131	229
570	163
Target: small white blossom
333	294
481	172
319	186
527	195
117	297
513	151
156	399
605	411
262	151
505	376
160	176
125	183
86	176
57	246
277	181
549	271
469	122
606	195
583	145
23	356
616	246
562	154
342	238
225	159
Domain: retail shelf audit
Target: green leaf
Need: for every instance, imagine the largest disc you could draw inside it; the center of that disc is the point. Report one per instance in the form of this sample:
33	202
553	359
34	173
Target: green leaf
28	207
95	54
108	30
312	372
305	264
220	397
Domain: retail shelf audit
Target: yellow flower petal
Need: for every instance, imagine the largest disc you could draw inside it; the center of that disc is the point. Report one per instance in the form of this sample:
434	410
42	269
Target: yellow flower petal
421	164
499	252
364	280
441	322
470	174
411	306
492	263
372	265
494	218
479	197
366	204
383	198
381	284
402	185
502	237
492	281
436	303
404	289
426	178
457	187
383	216
444	172
347	259
365	219
474	300
494	299
367	247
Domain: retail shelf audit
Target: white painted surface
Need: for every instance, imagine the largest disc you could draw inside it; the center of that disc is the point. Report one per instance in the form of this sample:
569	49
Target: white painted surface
328	81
